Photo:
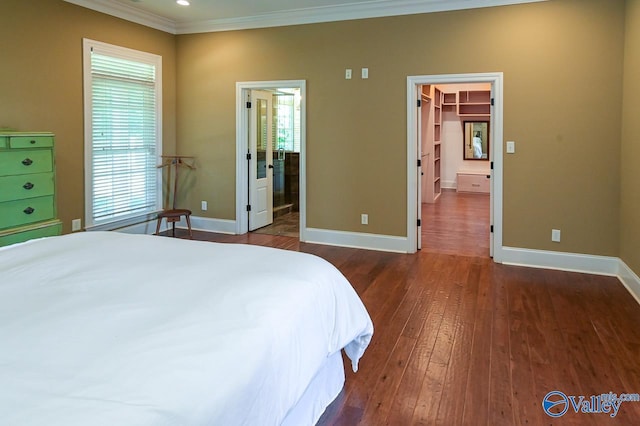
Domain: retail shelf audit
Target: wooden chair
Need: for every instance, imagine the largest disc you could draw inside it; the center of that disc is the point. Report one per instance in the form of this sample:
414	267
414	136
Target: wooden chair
173	214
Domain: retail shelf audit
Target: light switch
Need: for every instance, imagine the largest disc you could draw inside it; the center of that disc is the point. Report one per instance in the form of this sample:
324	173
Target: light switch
365	73
511	147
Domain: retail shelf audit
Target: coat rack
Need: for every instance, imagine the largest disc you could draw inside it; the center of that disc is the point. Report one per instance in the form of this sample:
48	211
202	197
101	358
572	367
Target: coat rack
174	214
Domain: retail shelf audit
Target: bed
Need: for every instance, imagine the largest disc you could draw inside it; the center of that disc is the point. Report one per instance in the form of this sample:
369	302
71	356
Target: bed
106	328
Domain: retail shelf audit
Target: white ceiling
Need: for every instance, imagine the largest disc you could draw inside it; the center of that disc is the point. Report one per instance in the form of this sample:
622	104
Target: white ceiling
225	15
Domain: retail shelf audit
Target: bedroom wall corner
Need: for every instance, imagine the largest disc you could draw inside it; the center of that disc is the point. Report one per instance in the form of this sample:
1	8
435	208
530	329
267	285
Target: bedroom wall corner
630	145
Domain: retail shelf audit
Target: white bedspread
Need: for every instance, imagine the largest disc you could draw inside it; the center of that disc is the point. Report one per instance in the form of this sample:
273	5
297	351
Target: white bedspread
104	328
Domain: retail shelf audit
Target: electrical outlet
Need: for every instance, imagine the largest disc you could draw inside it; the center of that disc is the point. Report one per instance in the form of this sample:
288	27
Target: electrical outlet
76	225
204	206
347	74
364	219
555	235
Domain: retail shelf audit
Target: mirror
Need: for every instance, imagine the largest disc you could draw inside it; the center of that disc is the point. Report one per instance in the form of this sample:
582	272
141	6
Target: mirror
476	140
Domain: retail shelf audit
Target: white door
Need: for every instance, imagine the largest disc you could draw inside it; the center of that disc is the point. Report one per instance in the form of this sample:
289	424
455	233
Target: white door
260	160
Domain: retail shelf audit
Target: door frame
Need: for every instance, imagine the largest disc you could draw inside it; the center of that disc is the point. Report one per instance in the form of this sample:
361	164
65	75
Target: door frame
496	154
243	95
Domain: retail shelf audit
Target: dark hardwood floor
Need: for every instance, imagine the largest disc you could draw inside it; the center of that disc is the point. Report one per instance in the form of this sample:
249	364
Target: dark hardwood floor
458	223
461	340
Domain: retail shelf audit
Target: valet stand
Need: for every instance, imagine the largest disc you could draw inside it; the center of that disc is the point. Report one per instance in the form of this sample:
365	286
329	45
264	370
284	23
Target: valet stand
173	215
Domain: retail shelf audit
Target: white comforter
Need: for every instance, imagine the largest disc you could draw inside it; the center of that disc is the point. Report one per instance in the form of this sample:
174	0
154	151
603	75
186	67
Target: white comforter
106	328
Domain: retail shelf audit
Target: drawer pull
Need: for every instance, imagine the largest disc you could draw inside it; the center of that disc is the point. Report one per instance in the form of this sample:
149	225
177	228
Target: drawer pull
28	186
29	210
475	184
32	142
27	161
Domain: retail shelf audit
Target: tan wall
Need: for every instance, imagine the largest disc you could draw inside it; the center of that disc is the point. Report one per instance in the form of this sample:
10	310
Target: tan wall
41	80
630	175
562	64
562	106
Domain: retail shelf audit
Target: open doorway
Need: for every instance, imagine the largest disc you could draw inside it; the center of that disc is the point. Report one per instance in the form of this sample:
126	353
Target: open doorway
270	158
454	133
277	150
431	180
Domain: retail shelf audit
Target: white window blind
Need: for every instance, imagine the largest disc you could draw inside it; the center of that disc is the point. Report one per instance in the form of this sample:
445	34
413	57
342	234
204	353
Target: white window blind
123	120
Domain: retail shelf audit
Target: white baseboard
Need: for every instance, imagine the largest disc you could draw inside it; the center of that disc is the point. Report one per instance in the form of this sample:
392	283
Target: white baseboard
220	226
449	184
601	265
629	279
585	263
356	240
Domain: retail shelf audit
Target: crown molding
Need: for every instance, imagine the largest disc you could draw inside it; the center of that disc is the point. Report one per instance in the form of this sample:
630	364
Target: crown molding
344	12
128	13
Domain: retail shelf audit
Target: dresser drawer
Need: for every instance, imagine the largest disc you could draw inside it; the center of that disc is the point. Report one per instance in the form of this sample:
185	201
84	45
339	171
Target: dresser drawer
468	182
19	235
31	141
22	212
26	186
4	141
25	161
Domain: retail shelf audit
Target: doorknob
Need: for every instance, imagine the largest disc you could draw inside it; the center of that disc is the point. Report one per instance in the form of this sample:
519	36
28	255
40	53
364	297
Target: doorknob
271	166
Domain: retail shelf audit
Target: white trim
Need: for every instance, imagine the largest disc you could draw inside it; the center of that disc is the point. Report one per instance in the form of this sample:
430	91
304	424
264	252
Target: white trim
629	279
357	240
242	141
449	184
88	46
341	12
220	226
574	262
496	80
206	224
129	13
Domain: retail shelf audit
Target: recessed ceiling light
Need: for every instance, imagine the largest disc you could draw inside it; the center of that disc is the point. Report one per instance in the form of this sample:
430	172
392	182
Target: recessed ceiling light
182	2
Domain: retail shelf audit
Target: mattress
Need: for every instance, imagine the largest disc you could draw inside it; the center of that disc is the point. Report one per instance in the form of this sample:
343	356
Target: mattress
105	328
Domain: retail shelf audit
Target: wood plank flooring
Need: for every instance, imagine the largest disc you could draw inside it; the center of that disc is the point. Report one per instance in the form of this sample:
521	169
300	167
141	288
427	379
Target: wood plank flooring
461	340
457	223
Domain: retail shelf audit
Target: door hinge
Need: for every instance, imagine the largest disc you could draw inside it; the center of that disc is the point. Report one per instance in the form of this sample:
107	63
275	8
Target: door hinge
419	222
249	104
419	103
248	207
419	163
248	156
492	102
492	229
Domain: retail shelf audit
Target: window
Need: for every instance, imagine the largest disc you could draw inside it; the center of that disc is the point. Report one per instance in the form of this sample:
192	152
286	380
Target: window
287	120
123	136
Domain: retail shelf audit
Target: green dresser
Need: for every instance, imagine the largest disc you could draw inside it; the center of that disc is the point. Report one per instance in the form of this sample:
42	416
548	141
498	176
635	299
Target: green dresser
27	187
